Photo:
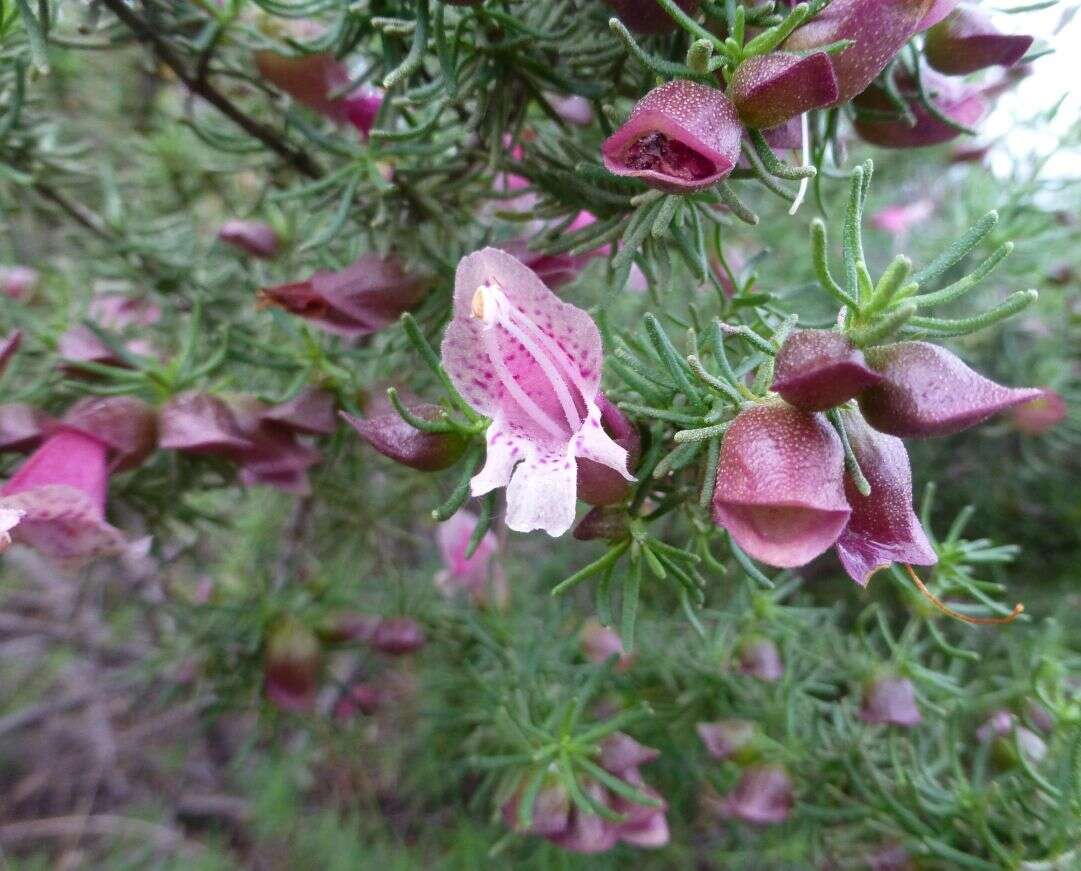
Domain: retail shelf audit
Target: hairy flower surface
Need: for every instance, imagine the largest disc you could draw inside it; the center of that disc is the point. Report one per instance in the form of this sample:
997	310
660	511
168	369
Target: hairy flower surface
967	40
818	369
646	16
531	363
680	137
770	89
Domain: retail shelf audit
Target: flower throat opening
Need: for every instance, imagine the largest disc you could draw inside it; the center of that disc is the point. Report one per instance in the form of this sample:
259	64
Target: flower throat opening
655	152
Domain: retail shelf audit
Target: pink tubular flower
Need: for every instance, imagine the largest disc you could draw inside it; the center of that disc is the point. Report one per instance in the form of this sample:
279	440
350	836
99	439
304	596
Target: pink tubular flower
18	282
927	391
680	137
59	493
356	301
899	218
759	658
780	484
252	237
879	29
768	90
291	666
883	528
645	16
318	82
885	127
818	369
531	363
890	700
599	644
966	41
763	796
394	438
726	739
480	576
1038	415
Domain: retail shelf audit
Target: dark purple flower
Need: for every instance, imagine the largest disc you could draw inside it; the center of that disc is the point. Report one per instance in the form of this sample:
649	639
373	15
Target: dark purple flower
394	438
128	426
879	29
398	635
763	796
890	700
780	484
21	426
966	41
680	137
1038	415
645	16
602	523
818	369
759	658
882	125
356	301
291	666
883	528
726	739
927	391
359	698
768	90
252	237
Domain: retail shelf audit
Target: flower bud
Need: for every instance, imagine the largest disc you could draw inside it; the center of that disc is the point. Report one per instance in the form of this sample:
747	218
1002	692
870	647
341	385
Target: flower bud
883	528
759	657
620	753
966	41
884	126
780	485
1007	736
599	644
394	438
397	636
602	523
18	282
768	90
879	29
126	424
602	485
253	237
291	666
645	16
310	412
21	426
763	796
679	138
1038	415
727	739
890	700
818	369
927	391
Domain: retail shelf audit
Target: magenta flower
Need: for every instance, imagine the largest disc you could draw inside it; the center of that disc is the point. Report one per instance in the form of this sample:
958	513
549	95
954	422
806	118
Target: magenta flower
680	137
599	644
389	434
759	658
645	16
879	29
21	426
966	41
356	301
80	344
726	739
890	700
1038	415
883	126
899	218
818	369
480	576
531	363
768	90
780	484
883	528
253	237
763	796
8	346
18	282
291	662
927	391
126	425
398	635
59	493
